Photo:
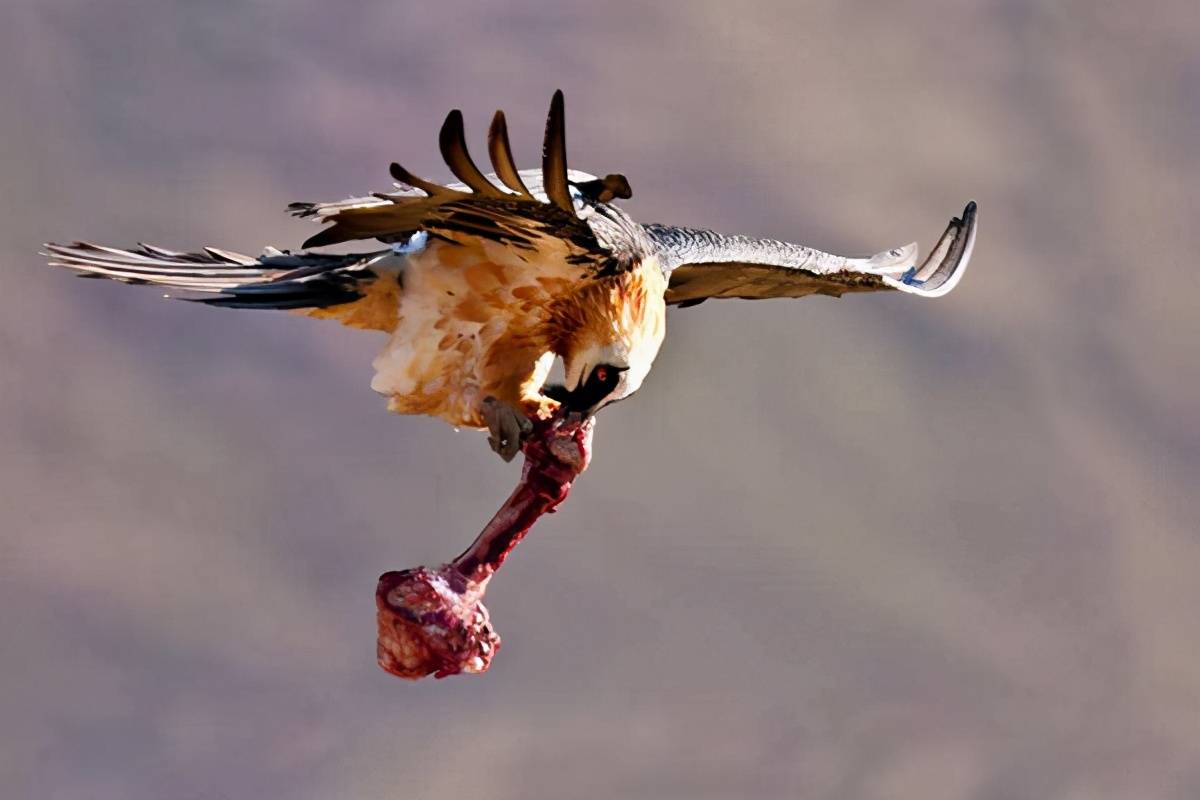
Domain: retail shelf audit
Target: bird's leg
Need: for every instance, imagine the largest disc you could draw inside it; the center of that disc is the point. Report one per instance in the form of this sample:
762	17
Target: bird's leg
432	620
507	427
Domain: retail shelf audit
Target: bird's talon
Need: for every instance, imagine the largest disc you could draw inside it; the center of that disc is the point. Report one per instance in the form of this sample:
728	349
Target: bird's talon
508	427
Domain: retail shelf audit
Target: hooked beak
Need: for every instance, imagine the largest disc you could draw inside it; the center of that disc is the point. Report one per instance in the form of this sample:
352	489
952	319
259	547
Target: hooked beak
570	399
592	393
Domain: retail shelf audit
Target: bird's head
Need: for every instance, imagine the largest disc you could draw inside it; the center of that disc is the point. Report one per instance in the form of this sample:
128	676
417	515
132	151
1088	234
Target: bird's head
601	374
608	335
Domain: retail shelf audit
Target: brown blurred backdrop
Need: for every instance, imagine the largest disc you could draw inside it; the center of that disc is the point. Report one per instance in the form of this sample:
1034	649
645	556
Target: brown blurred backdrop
867	548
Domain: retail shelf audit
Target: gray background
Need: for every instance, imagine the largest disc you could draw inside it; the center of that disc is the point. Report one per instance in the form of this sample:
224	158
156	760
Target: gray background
867	548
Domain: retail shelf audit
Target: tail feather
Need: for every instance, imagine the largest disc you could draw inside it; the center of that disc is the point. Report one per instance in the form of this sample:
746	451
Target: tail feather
222	278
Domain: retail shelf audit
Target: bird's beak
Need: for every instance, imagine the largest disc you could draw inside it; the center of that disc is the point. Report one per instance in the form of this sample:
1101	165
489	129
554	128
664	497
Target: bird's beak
569	398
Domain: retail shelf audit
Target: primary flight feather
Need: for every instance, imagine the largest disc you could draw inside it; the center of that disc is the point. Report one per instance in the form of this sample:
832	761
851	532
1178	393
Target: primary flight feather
486	281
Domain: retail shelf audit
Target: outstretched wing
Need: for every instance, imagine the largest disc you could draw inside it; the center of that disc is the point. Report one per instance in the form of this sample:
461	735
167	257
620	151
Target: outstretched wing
510	205
537	212
704	264
221	278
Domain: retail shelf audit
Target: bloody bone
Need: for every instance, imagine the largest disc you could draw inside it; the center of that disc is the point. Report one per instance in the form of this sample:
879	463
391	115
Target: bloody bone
432	621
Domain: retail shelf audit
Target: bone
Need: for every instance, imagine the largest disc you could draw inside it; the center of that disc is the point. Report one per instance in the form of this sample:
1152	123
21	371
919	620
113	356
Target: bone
432	620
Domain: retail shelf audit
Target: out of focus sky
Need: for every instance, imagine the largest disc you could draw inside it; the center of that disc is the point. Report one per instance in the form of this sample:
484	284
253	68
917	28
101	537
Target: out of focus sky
875	547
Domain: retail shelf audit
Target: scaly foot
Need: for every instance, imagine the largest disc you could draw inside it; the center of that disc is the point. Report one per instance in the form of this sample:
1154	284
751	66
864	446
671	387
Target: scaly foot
507	425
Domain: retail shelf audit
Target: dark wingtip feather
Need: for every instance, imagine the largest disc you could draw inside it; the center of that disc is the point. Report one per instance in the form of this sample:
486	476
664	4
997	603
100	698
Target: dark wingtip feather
943	268
500	151
617	185
554	156
328	236
452	140
429	187
606	189
302	209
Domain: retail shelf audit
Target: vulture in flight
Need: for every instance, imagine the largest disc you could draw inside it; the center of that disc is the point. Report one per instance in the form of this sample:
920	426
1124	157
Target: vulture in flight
484	282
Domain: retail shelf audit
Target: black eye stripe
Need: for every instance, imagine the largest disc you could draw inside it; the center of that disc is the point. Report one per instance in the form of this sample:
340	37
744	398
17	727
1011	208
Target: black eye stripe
605	375
591	391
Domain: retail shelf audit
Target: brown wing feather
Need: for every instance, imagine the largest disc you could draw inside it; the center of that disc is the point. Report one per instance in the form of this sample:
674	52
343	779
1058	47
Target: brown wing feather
406	212
554	157
694	283
389	223
500	151
453	143
704	264
429	187
524	226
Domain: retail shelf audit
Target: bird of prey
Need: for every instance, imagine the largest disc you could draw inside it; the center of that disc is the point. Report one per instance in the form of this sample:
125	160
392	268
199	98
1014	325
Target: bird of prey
486	281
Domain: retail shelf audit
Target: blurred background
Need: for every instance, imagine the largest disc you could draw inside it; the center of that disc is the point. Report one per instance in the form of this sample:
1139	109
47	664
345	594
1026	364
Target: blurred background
862	548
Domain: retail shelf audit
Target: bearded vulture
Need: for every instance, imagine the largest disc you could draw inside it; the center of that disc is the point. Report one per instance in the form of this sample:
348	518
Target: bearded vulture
487	280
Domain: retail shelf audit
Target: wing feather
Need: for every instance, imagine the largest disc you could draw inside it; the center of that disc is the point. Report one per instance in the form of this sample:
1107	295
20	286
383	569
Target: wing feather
509	206
222	278
500	151
453	143
705	265
554	157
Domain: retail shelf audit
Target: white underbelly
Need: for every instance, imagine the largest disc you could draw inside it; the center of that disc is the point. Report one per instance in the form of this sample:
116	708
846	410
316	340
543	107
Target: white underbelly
455	304
430	364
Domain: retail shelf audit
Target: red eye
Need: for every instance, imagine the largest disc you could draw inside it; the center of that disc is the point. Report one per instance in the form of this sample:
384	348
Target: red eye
601	374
